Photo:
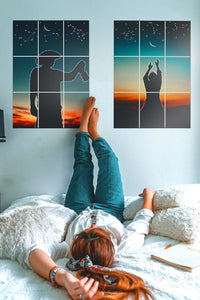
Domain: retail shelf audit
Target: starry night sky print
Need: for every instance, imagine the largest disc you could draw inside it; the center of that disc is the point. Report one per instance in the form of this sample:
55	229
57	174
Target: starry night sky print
51	36
25	38
77	38
126	38
152	38
178	38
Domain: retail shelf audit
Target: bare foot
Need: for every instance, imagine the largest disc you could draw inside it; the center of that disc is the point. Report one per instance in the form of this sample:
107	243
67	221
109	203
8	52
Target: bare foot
92	128
86	112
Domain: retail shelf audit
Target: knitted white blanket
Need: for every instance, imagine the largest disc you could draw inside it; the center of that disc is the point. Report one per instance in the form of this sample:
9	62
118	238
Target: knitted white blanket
17	283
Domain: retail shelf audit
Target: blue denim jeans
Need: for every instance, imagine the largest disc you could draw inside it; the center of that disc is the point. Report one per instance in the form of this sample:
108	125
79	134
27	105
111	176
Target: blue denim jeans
109	191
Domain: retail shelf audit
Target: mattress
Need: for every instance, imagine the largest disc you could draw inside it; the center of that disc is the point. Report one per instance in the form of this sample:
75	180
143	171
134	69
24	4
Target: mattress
19	283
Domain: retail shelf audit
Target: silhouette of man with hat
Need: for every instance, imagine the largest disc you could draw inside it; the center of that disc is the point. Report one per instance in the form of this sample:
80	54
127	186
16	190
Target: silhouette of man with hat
48	110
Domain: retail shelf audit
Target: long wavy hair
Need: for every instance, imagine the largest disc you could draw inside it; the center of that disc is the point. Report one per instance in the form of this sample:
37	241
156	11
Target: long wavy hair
96	242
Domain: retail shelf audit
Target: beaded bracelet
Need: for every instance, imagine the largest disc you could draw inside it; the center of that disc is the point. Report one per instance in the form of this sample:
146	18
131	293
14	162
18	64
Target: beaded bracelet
52	274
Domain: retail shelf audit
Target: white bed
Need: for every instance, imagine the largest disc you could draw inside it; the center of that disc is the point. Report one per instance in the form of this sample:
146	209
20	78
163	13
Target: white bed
19	283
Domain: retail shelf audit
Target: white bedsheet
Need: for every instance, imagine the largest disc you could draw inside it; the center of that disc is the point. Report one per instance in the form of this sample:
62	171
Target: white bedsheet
20	284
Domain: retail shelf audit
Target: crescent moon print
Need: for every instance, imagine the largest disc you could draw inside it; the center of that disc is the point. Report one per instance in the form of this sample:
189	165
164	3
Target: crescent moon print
46	28
152	45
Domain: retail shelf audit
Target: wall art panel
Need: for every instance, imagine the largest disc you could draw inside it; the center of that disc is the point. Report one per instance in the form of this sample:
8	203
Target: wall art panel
50	73
152	74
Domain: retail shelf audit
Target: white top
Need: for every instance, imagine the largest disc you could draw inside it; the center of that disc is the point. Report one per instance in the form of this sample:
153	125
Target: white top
125	238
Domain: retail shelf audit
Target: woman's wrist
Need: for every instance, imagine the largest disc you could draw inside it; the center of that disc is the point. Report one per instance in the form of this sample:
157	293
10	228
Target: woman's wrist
59	277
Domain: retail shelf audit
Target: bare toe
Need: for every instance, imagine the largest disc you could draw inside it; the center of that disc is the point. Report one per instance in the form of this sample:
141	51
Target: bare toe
92	128
89	104
86	112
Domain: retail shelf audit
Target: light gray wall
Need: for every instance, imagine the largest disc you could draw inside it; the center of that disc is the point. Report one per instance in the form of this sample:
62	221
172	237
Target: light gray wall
40	161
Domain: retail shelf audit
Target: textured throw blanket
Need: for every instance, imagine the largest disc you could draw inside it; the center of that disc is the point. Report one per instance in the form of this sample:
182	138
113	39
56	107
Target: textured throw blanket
34	219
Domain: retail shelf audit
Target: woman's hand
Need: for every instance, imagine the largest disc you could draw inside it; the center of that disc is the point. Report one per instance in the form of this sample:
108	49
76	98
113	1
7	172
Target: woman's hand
150	66
157	63
75	287
148	196
147	192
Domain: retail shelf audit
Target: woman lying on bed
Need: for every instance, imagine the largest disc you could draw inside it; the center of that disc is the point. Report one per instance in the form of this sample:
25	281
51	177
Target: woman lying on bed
96	238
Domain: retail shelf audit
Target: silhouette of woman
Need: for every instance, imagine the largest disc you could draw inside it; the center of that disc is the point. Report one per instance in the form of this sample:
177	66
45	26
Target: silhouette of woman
48	110
152	111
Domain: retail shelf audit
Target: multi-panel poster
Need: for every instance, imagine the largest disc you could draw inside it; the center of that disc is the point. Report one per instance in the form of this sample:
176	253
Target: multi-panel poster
151	74
50	73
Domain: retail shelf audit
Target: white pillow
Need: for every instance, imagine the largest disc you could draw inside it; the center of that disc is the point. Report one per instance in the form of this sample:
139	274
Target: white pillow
131	206
187	195
176	212
180	223
178	195
36	221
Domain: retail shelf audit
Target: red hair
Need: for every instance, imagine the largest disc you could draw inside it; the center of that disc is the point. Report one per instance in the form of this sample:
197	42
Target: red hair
96	242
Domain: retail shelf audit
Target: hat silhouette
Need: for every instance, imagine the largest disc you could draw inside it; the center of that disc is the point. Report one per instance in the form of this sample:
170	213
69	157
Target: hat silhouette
48	57
50	53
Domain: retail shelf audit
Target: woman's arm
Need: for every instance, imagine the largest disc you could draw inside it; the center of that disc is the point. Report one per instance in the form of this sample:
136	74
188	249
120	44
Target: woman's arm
140	223
150	66
159	74
42	264
157	67
137	229
148	196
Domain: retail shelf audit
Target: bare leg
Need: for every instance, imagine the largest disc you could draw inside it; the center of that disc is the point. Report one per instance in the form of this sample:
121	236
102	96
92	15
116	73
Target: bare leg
92	128
80	193
86	112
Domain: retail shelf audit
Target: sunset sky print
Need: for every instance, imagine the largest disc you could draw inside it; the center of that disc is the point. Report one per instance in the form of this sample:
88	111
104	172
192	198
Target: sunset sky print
72	104
139	43
70	42
22	117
